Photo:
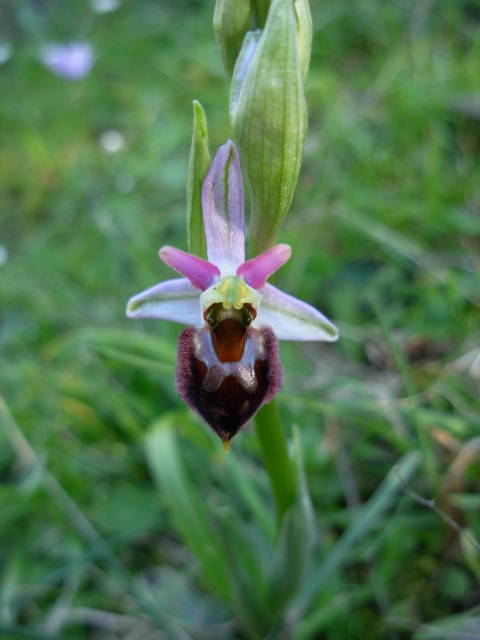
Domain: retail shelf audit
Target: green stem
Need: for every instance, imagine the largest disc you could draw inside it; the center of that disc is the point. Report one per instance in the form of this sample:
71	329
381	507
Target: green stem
275	456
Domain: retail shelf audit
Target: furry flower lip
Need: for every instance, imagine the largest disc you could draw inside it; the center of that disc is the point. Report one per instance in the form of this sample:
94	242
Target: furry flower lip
228	362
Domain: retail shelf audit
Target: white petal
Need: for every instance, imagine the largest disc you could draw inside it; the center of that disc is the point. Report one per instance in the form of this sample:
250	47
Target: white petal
292	319
174	300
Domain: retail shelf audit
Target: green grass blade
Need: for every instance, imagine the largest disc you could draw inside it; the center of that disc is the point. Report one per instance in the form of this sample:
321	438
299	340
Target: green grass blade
279	467
10	631
78	521
292	553
130	343
167	468
366	520
262	513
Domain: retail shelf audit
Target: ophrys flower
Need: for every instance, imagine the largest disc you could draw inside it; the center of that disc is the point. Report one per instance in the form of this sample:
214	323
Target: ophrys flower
228	362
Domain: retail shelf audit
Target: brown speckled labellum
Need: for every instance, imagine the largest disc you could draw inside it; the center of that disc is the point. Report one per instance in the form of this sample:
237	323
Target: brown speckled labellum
227	370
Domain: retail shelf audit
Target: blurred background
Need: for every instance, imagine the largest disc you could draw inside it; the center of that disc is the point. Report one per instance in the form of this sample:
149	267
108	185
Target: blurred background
384	228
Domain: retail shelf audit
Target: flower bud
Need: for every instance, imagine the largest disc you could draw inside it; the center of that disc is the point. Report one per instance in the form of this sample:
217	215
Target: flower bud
199	164
304	36
269	117
231	21
261	8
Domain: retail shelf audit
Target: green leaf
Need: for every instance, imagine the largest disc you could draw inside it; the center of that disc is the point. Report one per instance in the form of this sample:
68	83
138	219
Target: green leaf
457	627
260	8
272	439
241	477
131	344
304	36
325	615
367	518
470	551
10	631
292	555
231	21
248	565
269	118
199	164
254	613
168	471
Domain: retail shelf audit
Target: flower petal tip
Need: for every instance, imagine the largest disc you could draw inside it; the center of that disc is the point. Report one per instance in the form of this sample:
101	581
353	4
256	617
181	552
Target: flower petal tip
257	271
200	272
334	333
130	310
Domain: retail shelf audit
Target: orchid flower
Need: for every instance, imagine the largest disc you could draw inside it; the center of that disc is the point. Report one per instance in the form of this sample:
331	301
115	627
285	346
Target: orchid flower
228	363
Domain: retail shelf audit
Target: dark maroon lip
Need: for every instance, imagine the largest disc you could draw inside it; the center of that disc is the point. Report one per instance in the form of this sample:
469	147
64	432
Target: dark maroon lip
227	370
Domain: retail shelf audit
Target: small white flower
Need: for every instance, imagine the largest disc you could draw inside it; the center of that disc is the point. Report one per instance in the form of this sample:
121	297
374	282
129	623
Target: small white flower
111	141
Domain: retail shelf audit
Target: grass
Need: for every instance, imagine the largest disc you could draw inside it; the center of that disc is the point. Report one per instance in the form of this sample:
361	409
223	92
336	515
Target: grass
384	230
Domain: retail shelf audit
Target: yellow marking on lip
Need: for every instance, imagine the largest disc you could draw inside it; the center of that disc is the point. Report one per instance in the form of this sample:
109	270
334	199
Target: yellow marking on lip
232	291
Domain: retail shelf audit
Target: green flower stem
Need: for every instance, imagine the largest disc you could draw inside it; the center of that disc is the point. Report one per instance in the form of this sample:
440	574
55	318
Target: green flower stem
275	455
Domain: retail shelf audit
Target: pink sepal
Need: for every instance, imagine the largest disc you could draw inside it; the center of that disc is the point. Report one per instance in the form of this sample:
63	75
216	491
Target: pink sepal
256	272
200	272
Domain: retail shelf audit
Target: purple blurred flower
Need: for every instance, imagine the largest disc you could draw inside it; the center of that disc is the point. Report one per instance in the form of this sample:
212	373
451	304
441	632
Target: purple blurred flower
73	61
